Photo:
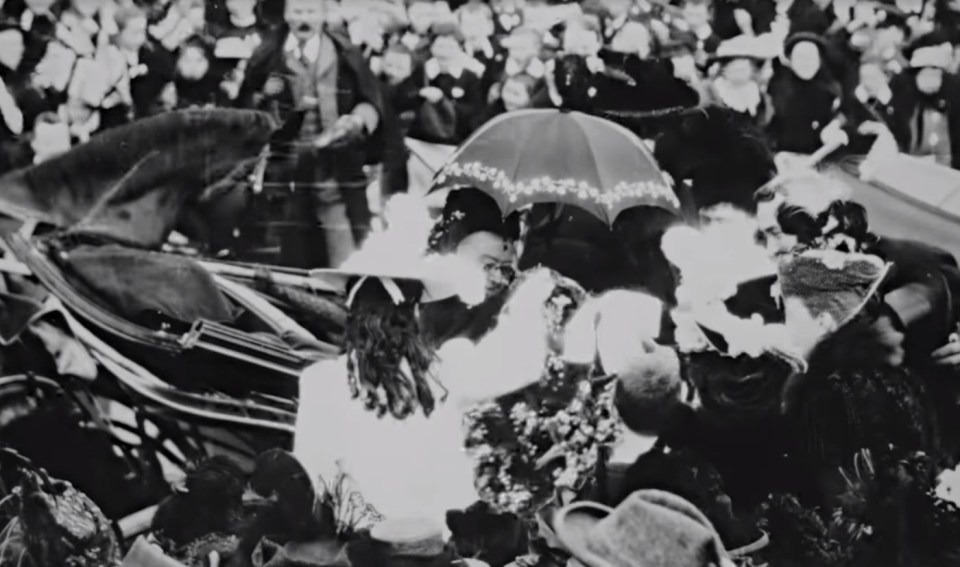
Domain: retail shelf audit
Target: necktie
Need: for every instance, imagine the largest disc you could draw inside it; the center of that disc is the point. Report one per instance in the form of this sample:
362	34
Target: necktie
304	59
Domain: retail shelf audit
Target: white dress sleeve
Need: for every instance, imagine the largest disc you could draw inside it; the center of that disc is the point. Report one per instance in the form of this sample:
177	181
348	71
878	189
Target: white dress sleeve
412	468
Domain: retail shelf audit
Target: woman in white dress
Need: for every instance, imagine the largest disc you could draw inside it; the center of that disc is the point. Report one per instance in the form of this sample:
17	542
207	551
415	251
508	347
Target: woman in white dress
381	427
376	429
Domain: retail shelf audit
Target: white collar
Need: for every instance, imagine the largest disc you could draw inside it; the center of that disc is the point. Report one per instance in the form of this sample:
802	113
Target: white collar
432	69
244	23
535	68
310	50
885	96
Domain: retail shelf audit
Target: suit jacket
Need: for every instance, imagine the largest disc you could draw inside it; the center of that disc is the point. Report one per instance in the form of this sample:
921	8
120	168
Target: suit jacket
356	84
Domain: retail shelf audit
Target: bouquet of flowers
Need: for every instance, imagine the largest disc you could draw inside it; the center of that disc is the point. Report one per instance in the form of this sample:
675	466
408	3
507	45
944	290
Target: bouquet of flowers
548	435
894	510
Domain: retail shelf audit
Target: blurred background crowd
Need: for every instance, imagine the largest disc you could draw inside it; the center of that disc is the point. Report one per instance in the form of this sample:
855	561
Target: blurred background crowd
804	72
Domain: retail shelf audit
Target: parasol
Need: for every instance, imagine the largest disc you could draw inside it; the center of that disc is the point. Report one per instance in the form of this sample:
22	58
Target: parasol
555	156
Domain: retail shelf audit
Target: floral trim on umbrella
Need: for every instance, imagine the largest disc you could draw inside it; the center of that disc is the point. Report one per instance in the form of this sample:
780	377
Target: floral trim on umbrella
513	190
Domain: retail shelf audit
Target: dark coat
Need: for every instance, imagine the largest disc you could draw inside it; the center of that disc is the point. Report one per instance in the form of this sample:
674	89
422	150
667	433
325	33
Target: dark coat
907	100
721	152
801	110
145	89
459	111
356	84
922	287
856	112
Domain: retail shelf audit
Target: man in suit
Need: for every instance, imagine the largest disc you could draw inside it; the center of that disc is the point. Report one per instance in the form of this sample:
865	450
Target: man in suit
307	69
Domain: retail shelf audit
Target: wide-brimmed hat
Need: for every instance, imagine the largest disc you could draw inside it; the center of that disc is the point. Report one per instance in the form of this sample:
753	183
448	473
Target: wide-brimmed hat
831	282
930	50
651	528
410	537
801	37
442	276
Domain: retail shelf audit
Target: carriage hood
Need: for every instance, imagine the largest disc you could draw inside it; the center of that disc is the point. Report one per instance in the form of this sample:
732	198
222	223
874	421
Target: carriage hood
131	184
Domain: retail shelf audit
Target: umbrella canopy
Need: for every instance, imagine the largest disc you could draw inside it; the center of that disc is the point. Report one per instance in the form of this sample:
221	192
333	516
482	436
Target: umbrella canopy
552	156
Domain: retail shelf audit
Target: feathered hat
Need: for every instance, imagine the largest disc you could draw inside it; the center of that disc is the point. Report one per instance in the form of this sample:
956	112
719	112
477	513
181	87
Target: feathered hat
832	283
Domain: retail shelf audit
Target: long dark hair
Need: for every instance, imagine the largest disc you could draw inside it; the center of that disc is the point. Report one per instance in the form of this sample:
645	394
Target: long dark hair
844	219
388	361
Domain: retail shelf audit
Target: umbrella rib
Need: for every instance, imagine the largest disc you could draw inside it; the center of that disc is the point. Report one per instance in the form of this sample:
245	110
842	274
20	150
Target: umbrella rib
596	166
517	161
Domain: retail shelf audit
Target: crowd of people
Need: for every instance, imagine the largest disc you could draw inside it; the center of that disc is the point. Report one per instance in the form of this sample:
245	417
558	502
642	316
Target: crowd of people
804	72
772	382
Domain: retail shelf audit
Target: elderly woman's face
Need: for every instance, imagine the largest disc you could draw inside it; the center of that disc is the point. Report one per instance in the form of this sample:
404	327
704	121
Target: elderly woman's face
739	71
495	255
805	60
929	80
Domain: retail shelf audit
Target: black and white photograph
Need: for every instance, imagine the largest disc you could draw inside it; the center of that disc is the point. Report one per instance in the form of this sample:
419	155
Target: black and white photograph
479	283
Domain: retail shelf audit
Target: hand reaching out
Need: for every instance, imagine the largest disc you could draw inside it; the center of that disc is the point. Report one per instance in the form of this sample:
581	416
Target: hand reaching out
948	356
